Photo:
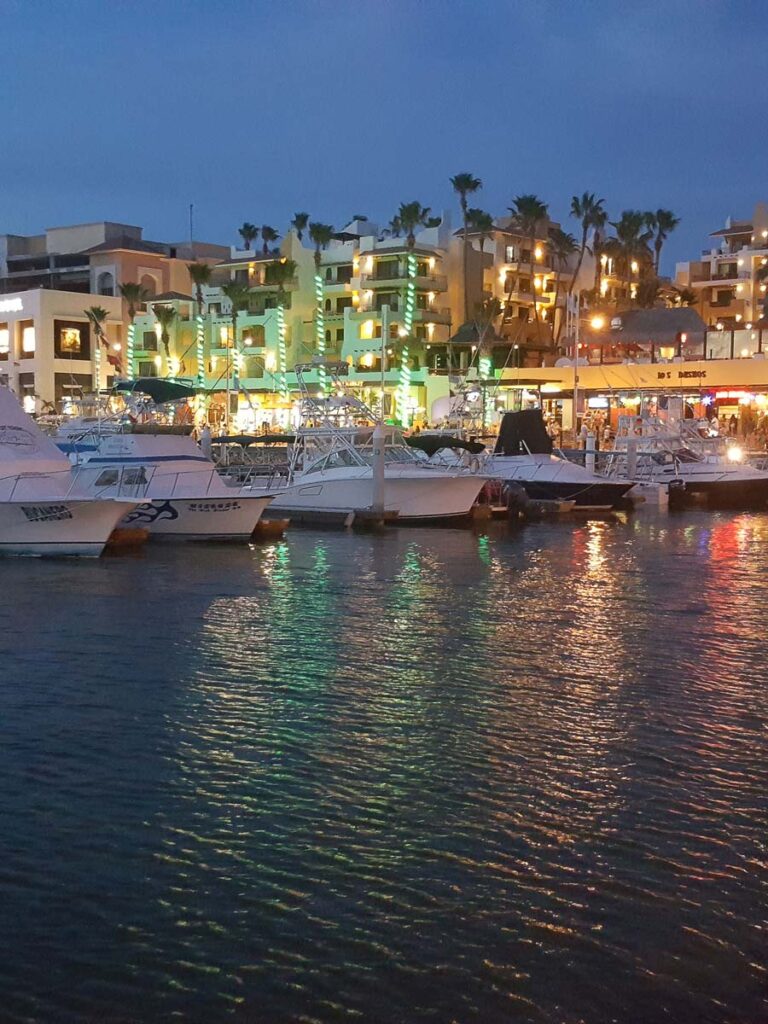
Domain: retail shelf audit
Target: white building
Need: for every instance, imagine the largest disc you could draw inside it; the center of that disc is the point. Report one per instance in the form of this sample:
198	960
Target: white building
48	348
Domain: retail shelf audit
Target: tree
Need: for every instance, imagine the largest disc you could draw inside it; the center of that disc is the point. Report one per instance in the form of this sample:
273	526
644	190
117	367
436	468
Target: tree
320	235
165	316
530	212
631	242
562	246
465	184
686	297
648	292
268	235
135	295
587	209
663	223
411	216
200	274
599	220
299	224
249	233
481	222
239	297
98	316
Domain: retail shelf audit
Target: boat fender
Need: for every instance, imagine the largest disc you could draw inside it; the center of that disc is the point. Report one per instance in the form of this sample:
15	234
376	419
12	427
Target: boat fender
474	464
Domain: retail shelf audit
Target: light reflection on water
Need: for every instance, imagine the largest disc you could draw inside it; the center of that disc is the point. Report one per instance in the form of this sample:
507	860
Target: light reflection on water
497	776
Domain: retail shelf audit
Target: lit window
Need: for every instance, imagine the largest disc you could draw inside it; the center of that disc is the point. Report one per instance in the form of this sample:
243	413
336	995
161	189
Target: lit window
70	340
366	329
5	341
28	340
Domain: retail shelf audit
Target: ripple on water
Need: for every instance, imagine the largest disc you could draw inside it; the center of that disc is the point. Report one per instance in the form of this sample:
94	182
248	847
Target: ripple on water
429	775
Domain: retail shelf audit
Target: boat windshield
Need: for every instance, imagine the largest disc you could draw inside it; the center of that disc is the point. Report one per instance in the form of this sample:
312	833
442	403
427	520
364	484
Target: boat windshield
678	455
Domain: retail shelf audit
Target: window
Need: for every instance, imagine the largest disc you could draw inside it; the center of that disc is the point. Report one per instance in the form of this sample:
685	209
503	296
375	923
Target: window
344	273
149	341
339	334
343	303
27	337
135	475
421	300
5	341
241	276
71	339
327	337
510	254
147	369
254	336
107	479
105	284
422	269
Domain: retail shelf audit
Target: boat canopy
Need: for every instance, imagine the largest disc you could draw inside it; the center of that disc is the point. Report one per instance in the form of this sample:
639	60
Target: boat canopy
432	443
523	432
158	389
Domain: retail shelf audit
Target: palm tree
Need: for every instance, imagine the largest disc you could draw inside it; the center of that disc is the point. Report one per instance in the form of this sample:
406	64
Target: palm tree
530	212
268	235
599	220
249	233
299	224
631	242
97	316
239	297
663	223
135	295
411	216
588	210
562	246
280	273
200	274
165	316
481	222
320	235
465	184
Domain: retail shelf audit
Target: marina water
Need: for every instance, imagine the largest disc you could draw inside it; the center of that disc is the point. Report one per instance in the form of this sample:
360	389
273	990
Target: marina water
425	775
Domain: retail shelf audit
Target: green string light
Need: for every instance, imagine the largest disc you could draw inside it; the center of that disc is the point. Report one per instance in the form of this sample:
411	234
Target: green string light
320	330
281	352
129	346
200	351
404	390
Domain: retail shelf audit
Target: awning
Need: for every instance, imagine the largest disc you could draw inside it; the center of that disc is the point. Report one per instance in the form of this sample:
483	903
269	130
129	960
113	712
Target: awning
159	389
431	443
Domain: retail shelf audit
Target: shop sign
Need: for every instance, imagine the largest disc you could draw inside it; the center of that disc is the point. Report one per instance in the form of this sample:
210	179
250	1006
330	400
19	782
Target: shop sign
682	374
11	306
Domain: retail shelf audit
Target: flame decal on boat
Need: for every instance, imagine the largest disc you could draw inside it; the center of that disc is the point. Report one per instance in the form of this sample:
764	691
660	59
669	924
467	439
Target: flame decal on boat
151	513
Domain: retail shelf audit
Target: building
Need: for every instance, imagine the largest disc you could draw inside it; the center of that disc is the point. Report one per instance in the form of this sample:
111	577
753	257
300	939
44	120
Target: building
726	278
48	348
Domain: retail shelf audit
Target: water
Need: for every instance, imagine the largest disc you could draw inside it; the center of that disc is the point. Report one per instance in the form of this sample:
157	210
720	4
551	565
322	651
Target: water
426	776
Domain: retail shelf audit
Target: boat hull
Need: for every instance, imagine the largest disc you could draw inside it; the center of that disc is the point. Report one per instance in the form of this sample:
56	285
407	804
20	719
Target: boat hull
597	495
423	496
57	527
744	494
199	519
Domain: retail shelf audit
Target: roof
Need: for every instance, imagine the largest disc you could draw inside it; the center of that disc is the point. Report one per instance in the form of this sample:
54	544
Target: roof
251	256
170	297
126	242
395	250
654	326
738	227
469	333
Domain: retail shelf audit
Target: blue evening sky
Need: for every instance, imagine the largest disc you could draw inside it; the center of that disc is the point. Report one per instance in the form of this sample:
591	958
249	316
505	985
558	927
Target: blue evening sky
253	110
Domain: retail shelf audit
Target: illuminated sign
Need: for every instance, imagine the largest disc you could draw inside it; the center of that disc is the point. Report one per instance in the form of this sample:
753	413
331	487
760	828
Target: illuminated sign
11	306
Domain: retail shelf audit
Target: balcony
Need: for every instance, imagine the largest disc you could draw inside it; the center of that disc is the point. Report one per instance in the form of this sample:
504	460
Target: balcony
398	277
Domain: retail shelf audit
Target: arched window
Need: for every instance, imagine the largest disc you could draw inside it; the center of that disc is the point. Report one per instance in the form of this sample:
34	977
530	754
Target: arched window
105	283
148	282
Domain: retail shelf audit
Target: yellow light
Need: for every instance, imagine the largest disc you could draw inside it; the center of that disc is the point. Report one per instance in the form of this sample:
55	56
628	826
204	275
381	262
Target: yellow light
369	264
735	454
744	353
597	323
551	389
355	298
741	263
503	277
635	266
538	252
748	326
366	330
765	234
537	283
430	329
270	361
683	338
28	340
117	346
603	287
223	336
431	296
402	332
603	260
158	362
367	359
431	262
762	400
739	287
719	326
738	318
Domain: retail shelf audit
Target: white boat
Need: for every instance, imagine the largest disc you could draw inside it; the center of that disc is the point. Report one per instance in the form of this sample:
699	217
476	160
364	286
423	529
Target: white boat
183	497
327	465
700	469
524	455
328	472
45	508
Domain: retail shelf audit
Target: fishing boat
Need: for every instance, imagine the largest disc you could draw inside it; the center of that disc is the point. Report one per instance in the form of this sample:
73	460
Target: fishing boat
524	455
46	508
325	468
182	496
701	469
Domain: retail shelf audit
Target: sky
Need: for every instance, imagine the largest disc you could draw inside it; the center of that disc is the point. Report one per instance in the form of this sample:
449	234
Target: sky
252	110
